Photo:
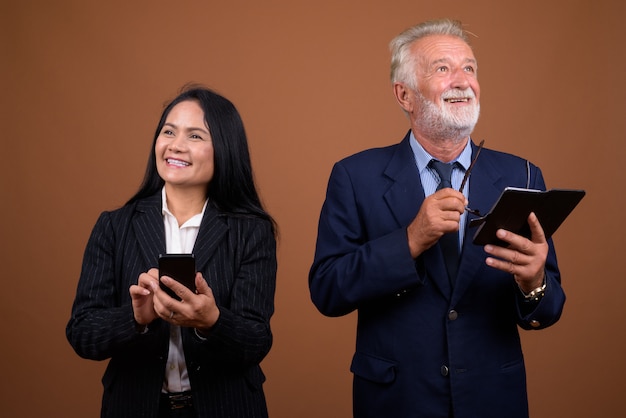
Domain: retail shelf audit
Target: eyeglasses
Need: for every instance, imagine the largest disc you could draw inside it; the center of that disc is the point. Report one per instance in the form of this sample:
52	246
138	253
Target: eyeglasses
467	174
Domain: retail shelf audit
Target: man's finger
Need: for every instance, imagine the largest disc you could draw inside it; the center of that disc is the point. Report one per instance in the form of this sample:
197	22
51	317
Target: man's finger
537	234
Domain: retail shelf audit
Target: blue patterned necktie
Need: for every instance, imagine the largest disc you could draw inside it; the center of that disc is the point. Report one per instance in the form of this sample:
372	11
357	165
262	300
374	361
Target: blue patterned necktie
449	242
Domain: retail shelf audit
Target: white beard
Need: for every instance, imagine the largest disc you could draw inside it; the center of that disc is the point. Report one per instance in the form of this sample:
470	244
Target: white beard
445	122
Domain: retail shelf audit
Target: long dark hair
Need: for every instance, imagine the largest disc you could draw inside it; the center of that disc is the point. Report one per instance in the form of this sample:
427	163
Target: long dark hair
232	189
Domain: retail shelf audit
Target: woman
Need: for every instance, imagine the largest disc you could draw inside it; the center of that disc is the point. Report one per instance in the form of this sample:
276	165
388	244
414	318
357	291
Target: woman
197	357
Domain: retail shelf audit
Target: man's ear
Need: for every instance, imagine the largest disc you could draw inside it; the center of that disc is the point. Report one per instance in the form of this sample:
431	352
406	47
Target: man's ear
403	96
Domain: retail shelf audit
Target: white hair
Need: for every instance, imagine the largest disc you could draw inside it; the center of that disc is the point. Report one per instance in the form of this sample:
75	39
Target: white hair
402	63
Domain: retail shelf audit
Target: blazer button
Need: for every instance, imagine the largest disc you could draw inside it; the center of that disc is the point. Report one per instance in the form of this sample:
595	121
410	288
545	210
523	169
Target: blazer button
452	315
444	370
534	323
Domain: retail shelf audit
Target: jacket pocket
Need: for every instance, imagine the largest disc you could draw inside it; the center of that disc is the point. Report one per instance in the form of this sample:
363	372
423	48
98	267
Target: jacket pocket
374	369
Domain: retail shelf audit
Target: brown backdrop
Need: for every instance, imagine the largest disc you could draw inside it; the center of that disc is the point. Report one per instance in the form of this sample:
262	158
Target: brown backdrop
83	84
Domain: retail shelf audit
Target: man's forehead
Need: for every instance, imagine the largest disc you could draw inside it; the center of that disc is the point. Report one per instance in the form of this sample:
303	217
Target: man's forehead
442	48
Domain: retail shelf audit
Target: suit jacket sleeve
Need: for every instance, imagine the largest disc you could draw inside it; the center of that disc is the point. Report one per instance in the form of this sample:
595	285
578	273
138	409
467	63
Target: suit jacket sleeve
350	267
535	316
243	277
242	336
102	322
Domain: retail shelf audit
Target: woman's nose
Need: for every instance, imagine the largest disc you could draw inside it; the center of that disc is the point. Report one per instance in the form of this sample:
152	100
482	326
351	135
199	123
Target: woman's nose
176	145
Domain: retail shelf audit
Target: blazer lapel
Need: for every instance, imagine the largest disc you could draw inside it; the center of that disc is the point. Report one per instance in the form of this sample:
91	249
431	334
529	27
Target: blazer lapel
406	194
150	232
485	188
149	229
404	198
212	231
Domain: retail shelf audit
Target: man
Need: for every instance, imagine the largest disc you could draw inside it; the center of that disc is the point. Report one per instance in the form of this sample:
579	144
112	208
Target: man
435	338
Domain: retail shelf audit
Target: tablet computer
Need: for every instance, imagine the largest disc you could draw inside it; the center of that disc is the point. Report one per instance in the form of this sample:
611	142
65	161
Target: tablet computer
512	208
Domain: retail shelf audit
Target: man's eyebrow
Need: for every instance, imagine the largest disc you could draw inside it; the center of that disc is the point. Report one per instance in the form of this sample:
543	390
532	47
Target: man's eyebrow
446	60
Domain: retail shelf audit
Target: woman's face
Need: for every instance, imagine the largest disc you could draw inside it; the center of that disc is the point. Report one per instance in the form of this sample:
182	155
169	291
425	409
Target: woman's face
184	149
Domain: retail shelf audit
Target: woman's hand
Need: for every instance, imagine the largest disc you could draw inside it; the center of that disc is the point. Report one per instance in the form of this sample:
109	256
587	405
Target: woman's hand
142	296
197	310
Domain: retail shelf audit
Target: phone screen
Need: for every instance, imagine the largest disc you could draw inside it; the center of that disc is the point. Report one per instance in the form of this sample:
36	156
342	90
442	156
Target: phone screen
180	267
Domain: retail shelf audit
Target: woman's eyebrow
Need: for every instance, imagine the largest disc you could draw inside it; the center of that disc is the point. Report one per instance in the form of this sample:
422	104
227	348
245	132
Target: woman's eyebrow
188	129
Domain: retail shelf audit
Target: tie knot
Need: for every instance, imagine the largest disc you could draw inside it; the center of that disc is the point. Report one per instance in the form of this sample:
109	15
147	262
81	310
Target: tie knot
444	171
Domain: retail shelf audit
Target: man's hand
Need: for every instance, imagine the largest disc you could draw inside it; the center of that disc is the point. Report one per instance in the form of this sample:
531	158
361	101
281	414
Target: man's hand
439	214
524	258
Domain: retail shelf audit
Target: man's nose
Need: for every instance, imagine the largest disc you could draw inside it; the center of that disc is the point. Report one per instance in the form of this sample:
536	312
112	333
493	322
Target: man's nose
460	79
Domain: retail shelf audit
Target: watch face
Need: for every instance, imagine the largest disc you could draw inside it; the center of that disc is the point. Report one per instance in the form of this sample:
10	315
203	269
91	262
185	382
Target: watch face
537	293
534	295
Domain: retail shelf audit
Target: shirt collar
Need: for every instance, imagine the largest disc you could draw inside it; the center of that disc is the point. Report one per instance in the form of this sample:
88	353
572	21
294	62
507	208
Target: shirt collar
422	157
193	221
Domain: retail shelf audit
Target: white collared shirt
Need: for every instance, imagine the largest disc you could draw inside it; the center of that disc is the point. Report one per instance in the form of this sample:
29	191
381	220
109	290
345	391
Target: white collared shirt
178	240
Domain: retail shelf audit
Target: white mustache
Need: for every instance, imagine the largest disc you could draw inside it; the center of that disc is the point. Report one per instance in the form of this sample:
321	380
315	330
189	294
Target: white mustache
468	93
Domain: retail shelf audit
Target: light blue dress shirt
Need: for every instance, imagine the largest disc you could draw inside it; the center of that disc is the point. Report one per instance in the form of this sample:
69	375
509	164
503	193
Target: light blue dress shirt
430	178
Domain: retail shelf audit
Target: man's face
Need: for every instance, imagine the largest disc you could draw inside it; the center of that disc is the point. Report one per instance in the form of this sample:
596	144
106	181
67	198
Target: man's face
446	103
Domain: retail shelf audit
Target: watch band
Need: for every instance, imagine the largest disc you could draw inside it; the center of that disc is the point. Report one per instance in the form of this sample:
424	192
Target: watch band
534	295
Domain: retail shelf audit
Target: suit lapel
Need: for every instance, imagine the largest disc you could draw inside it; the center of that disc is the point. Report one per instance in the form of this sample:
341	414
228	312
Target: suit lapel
485	188
149	229
212	231
406	194
404	199
150	232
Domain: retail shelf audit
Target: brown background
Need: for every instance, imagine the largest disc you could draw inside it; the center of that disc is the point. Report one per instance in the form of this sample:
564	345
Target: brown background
83	84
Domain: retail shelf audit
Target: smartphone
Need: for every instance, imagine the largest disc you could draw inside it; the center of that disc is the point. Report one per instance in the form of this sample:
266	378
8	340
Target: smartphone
180	267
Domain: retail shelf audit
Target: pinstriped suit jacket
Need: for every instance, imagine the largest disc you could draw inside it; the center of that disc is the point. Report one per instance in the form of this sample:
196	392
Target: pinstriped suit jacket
237	257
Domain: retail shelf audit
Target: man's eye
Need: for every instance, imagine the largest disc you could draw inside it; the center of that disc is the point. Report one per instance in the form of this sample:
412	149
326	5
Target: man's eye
442	69
470	69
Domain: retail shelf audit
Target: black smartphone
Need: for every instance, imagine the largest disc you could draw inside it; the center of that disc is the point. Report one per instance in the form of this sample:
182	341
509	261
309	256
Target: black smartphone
180	267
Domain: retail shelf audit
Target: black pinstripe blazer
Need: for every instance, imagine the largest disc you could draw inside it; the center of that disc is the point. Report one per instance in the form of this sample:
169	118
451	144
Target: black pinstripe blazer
237	257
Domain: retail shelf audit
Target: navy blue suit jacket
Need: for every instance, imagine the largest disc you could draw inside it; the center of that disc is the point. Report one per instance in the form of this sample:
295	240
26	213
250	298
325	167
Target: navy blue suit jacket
237	257
421	345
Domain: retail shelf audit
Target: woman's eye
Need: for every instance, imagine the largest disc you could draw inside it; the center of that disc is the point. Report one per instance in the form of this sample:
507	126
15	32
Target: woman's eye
196	137
167	132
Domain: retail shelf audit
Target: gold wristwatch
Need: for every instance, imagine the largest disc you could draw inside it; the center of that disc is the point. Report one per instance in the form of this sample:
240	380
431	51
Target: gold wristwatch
534	295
